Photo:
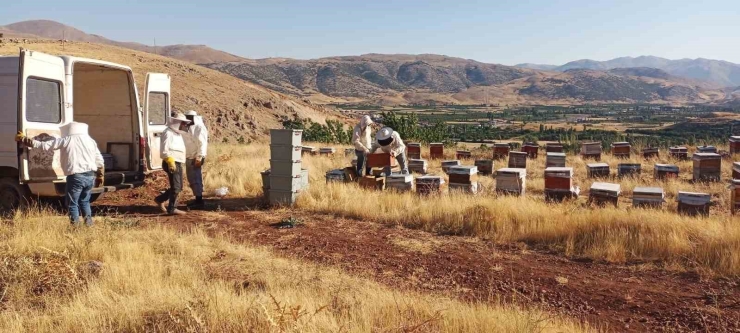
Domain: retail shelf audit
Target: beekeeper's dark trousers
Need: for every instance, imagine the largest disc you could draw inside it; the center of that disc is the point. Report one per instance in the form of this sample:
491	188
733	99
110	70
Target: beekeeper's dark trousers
175	179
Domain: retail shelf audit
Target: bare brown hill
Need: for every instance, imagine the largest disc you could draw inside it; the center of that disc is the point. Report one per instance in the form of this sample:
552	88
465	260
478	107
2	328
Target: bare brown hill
231	107
398	79
57	31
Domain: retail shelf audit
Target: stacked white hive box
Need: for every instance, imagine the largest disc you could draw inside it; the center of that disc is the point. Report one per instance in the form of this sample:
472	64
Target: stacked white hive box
555	160
285	166
418	166
511	181
399	182
463	178
648	196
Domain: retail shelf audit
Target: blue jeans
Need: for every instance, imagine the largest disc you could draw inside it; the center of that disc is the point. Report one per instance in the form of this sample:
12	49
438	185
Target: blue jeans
79	188
195	177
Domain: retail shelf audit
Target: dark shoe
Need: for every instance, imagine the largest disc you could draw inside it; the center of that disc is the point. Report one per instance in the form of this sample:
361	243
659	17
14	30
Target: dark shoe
177	212
75	224
89	221
197	204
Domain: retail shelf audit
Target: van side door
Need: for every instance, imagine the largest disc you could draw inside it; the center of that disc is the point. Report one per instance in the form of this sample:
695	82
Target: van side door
41	108
156	115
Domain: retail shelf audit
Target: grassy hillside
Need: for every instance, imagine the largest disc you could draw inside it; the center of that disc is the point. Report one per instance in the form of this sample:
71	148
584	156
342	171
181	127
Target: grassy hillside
57	31
231	107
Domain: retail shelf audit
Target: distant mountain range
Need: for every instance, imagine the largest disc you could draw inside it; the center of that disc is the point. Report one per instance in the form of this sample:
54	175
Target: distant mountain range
429	78
396	79
719	72
55	30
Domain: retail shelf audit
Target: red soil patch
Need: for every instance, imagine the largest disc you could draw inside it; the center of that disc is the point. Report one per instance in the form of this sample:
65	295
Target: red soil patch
634	297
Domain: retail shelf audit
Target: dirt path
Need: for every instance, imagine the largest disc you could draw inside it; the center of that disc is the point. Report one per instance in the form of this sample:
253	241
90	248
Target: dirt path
617	297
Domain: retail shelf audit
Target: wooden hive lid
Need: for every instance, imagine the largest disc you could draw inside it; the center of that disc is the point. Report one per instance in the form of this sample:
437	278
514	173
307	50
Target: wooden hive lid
666	167
694	198
607	187
708	156
648	190
511	171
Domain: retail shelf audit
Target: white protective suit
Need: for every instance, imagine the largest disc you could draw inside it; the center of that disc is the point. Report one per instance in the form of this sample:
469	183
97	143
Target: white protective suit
197	142
78	151
172	143
361	138
397	147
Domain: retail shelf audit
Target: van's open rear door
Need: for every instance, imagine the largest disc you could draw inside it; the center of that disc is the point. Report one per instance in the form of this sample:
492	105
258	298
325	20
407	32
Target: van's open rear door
156	114
40	113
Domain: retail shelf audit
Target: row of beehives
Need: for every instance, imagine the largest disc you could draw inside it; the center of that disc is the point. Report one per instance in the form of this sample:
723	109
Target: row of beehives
512	181
707	166
588	150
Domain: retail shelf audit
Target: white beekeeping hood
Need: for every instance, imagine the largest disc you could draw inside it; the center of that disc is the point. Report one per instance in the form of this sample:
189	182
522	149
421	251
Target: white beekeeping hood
74	128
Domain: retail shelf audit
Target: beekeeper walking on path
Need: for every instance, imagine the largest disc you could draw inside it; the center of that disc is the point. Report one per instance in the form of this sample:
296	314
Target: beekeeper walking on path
362	140
82	164
389	141
197	148
173	154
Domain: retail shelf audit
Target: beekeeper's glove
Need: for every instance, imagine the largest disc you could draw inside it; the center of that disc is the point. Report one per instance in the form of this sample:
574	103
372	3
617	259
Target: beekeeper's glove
22	138
198	162
171	165
100	177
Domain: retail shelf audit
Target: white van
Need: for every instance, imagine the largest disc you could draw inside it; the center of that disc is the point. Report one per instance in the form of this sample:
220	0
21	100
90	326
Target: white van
39	93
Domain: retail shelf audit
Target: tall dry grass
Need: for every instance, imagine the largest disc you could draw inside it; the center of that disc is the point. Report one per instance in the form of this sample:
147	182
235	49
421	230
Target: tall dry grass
159	280
620	234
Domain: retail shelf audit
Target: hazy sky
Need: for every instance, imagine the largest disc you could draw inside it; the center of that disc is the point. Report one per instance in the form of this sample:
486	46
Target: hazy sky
507	32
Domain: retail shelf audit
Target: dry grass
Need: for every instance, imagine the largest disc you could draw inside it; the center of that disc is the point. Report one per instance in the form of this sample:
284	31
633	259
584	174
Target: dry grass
710	244
158	280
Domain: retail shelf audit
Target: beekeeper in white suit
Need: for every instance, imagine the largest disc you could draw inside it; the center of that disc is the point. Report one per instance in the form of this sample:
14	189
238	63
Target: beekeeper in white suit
197	149
362	140
173	153
82	164
389	141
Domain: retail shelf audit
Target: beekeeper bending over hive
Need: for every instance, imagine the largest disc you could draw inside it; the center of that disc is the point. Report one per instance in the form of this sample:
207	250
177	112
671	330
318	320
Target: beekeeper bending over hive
173	154
82	164
362	141
389	141
197	148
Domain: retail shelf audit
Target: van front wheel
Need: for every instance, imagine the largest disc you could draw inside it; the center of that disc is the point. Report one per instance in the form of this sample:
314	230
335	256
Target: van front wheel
12	194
